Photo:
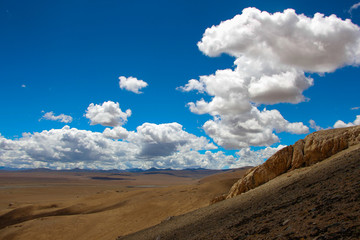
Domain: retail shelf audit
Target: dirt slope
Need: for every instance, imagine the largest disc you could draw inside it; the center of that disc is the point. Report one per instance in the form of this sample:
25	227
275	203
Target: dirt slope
317	202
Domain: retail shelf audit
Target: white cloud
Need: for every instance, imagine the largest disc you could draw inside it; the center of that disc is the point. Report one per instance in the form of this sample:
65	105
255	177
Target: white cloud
314	126
341	124
355	108
116	133
132	84
66	148
237	122
247	157
273	53
193	85
162	146
318	44
151	145
353	7
23	85
194	159
62	117
166	139
254	128
282	86
107	114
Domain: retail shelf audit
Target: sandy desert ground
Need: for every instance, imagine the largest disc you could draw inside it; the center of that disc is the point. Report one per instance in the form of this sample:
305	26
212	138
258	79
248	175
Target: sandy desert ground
42	204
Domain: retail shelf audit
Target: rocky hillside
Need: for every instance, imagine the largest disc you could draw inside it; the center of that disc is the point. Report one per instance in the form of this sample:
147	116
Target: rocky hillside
305	152
321	201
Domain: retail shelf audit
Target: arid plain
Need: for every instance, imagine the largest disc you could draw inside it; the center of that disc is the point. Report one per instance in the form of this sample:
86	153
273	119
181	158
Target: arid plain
44	204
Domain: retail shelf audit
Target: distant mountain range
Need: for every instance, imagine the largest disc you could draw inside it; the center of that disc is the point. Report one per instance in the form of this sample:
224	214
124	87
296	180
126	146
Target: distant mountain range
132	170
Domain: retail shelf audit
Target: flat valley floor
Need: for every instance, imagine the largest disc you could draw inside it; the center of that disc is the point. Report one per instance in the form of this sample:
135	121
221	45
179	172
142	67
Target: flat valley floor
43	204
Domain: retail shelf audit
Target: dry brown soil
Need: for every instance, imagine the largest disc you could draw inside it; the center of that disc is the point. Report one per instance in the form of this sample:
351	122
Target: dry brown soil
61	205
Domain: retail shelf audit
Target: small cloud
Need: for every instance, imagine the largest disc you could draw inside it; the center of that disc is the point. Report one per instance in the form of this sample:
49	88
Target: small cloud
107	114
61	118
193	85
342	124
314	126
353	7
132	84
23	86
355	108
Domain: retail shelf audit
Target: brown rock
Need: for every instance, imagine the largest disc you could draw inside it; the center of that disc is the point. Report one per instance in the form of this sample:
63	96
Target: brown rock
305	152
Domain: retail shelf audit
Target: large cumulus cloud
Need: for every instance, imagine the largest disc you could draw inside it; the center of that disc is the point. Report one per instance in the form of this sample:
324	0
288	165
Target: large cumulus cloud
274	53
237	122
318	44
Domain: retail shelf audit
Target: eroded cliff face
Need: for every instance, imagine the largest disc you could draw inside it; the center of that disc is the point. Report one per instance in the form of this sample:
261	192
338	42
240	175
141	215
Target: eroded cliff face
305	152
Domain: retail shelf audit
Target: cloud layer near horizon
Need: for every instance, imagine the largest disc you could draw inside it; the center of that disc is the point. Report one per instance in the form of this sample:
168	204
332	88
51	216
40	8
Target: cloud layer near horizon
273	52
152	145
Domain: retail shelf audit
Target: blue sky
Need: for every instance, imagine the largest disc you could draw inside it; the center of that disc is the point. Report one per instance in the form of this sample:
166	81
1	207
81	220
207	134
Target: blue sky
59	57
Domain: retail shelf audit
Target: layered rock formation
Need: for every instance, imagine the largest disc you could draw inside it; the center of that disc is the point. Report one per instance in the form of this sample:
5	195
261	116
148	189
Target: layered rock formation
305	152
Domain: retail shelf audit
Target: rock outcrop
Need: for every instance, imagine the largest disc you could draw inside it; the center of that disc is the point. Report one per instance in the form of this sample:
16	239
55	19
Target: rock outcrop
305	152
